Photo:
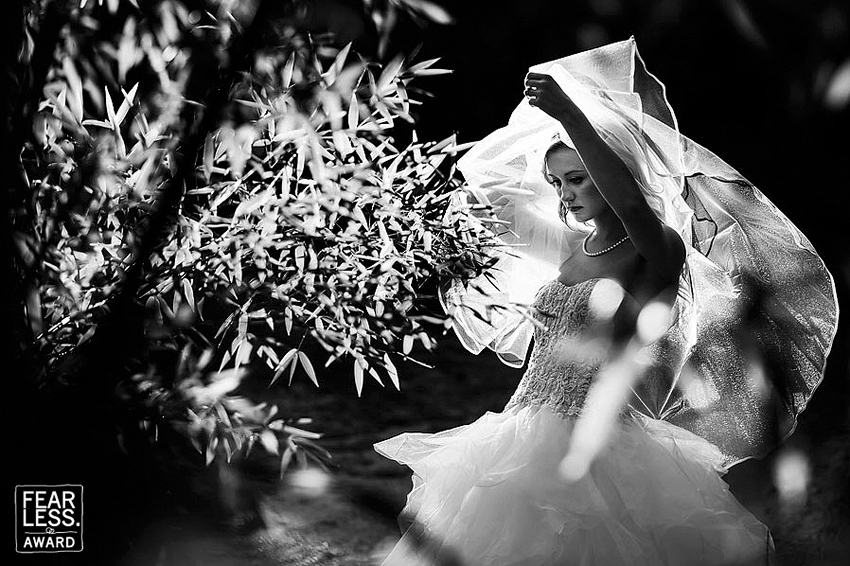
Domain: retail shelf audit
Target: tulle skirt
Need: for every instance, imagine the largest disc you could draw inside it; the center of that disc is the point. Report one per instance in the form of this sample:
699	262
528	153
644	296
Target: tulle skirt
489	493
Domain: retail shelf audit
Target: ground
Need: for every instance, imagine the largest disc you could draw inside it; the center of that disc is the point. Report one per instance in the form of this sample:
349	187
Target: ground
347	517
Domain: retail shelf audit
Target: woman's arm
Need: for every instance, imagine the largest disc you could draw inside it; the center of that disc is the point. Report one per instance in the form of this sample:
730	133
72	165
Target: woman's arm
659	244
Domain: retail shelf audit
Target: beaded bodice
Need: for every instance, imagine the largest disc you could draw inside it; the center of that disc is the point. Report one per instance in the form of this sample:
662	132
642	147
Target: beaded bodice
564	358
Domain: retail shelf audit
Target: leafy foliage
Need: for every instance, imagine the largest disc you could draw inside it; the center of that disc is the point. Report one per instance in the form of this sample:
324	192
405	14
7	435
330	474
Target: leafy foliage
304	222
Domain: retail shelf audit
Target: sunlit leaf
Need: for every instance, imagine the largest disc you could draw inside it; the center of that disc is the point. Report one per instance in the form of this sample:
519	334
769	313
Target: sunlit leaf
110	109
430	10
210	451
358	377
287	360
285	460
339	62
433	72
75	85
388	75
392	372
422	65
288	70
269	441
125	104
98	123
292	367
375	375
287	321
209	156
308	367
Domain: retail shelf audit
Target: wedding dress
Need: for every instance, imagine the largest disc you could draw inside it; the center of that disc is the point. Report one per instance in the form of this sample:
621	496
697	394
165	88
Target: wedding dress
490	492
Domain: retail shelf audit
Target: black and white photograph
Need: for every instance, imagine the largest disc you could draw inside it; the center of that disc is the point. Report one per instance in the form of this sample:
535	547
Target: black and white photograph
425	282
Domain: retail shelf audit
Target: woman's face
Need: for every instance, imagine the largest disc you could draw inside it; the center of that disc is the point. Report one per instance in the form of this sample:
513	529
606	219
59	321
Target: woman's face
576	190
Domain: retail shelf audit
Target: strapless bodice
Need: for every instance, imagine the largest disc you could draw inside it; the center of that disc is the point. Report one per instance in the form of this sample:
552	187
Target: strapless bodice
568	349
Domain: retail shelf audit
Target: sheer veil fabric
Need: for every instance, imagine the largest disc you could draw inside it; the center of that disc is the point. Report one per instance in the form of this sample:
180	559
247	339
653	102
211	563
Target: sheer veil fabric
756	311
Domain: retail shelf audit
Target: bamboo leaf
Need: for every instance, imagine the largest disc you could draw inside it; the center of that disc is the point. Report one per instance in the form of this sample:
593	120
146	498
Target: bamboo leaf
392	372
243	354
75	85
287	320
433	72
308	367
353	112
285	460
299	252
337	66
126	104
375	375
210	452
128	49
288	69
339	62
242	327
110	109
270	441
98	123
300	433
318	450
301	458
402	95
292	367
188	293
283	364
358	377
422	65
209	155
430	10
388	75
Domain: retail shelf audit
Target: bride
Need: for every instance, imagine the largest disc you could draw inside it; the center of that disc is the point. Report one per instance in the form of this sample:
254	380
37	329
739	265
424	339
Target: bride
680	323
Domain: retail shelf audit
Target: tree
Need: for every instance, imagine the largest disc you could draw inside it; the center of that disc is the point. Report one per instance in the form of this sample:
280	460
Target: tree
197	189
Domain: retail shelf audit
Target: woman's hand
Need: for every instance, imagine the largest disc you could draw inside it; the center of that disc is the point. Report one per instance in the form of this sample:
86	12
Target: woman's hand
544	93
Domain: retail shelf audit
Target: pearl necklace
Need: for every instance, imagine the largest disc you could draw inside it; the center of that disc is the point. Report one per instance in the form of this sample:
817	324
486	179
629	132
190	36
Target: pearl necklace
605	251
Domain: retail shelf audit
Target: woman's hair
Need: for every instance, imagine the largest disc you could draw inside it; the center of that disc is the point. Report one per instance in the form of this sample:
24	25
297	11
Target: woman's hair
652	196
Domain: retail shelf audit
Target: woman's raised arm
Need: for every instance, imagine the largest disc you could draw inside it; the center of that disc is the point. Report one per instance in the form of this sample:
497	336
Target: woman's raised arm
659	244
